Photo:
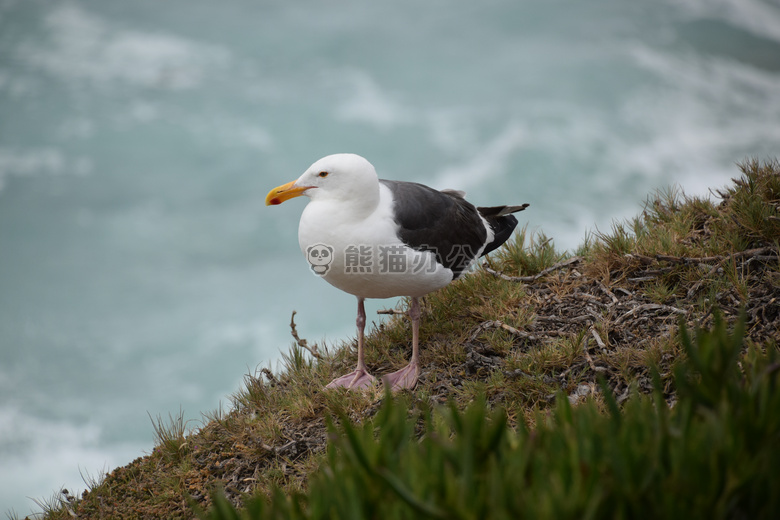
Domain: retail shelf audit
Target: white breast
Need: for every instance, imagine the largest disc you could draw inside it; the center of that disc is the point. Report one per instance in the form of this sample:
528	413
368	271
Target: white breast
367	258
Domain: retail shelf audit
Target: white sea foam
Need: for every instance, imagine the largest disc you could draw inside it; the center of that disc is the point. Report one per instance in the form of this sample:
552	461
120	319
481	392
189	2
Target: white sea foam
756	16
486	163
31	162
365	101
84	46
230	334
41	456
698	117
452	130
711	113
234	132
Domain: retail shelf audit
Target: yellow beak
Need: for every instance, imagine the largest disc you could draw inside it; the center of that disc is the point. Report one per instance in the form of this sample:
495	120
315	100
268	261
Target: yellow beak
283	193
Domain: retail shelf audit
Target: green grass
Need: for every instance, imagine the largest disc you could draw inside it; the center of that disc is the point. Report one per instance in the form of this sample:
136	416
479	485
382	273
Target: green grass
528	254
713	454
171	437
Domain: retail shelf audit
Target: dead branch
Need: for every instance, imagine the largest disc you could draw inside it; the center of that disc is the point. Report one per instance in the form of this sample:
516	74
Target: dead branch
391	311
762	252
597	338
495	324
649	307
589	358
559	265
695	287
313	350
606	291
642	278
563	319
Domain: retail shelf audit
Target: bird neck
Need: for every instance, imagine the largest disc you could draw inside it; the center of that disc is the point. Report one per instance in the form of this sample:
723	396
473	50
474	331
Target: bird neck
359	205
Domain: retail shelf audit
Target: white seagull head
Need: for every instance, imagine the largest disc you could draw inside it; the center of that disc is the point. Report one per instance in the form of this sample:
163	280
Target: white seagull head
343	177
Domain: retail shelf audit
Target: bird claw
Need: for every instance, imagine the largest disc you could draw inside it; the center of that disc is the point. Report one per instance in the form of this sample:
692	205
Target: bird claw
357	380
404	378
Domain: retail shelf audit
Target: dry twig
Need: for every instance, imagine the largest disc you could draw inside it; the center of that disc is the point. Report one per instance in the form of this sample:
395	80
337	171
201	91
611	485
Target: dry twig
559	265
313	350
597	338
649	307
391	311
495	324
587	354
760	252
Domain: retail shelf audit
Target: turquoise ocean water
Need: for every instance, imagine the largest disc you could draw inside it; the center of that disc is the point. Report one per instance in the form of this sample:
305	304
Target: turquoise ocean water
140	272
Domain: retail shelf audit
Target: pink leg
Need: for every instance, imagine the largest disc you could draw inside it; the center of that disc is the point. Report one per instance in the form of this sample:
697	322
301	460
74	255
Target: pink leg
407	376
359	378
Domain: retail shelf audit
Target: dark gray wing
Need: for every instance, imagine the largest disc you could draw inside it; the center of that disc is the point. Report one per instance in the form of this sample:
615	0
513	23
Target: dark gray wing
441	222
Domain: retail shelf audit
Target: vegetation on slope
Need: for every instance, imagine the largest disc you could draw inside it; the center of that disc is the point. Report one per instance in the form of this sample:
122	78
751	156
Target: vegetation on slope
532	325
714	454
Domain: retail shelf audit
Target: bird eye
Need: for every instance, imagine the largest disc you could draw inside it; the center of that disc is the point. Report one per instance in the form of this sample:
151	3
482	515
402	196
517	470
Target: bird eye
323	174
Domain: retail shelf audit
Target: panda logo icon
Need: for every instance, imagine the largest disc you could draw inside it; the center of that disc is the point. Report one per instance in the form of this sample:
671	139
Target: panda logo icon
319	256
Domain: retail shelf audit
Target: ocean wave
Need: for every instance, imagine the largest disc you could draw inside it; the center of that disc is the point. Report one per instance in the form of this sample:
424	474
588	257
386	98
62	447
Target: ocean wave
754	16
83	46
489	161
29	162
41	456
709	114
365	101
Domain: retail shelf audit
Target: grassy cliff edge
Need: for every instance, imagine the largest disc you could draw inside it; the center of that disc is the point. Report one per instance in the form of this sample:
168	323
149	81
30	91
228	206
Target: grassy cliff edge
531	326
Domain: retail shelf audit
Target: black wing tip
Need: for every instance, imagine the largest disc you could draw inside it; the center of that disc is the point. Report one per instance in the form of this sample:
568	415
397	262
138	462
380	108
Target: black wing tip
500	211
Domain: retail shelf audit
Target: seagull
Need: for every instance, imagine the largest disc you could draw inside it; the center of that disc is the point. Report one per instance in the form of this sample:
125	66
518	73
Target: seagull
377	238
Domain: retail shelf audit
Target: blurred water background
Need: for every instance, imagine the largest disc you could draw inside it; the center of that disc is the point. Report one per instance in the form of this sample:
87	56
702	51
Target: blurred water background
140	272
